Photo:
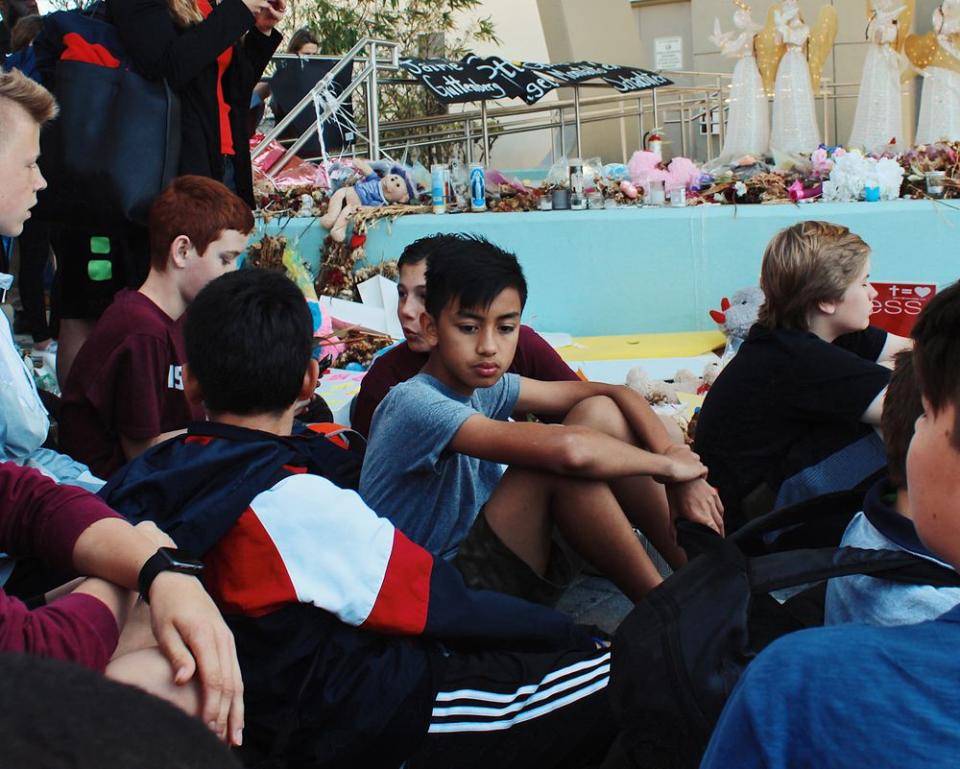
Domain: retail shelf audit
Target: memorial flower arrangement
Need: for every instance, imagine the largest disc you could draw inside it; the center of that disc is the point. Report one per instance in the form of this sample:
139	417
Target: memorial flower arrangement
918	161
854	175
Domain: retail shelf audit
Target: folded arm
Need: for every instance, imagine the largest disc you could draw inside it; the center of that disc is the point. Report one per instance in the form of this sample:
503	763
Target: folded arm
66	525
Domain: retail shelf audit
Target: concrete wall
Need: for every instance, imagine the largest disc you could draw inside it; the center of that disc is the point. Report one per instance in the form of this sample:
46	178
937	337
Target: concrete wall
521	37
598	30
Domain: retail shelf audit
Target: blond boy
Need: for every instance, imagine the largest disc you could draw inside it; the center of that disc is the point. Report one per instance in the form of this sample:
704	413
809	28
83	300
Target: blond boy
793	414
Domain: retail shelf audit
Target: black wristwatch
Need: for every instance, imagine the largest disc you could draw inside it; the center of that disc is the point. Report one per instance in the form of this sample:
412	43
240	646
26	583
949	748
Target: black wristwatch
166	559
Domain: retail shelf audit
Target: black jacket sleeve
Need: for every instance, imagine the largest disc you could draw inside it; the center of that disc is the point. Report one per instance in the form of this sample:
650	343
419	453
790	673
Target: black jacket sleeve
258	49
159	50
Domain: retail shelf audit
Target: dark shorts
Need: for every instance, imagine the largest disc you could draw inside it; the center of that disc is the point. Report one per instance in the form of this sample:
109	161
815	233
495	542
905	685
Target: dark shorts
519	710
93	265
486	563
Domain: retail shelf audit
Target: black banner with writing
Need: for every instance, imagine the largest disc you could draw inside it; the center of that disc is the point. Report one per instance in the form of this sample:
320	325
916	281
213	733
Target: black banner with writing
478	78
623	79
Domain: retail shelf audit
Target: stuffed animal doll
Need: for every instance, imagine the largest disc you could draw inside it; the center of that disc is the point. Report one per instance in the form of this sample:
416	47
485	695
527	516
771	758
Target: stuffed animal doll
737	315
371	191
684	381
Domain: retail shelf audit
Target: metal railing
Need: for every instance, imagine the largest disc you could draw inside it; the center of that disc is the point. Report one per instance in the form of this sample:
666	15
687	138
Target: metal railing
679	106
368	76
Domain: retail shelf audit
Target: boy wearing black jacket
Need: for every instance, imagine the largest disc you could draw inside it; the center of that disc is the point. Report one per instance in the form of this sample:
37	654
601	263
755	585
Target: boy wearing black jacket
357	646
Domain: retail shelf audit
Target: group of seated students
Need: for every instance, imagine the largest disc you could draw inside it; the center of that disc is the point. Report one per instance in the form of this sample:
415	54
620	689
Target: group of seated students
405	618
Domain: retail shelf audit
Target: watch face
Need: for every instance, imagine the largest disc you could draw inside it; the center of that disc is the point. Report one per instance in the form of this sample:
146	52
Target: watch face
180	562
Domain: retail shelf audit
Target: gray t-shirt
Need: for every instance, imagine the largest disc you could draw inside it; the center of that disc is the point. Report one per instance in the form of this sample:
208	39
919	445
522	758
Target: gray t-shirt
409	475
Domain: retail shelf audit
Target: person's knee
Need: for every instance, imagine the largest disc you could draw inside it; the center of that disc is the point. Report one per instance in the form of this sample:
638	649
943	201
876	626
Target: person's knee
673	429
600	413
149	670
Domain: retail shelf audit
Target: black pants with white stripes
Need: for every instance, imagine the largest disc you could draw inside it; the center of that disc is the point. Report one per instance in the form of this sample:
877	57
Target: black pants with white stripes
519	710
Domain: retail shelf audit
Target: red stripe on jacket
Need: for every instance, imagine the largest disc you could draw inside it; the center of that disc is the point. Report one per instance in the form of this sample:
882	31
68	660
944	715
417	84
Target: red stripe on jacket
404	597
244	572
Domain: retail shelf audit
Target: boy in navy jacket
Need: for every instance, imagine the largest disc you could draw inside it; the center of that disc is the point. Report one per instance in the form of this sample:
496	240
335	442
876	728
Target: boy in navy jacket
357	646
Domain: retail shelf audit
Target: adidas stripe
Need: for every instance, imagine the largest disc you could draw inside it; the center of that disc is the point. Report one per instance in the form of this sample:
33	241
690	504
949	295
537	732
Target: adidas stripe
475	710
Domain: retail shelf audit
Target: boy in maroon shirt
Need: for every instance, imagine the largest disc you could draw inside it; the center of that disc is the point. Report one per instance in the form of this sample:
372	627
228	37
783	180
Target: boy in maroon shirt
125	393
534	359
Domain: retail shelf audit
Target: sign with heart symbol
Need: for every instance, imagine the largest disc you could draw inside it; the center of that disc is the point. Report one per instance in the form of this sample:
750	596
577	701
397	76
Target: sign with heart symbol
898	304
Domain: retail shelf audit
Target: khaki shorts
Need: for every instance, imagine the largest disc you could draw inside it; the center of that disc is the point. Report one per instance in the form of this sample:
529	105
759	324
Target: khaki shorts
486	563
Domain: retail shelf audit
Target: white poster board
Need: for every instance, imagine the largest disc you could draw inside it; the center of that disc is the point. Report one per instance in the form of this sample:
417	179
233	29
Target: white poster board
668	53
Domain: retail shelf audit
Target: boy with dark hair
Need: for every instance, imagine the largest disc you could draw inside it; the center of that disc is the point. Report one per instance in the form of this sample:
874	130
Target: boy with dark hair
534	358
792	416
438	440
855	695
54	716
886	524
358	647
125	390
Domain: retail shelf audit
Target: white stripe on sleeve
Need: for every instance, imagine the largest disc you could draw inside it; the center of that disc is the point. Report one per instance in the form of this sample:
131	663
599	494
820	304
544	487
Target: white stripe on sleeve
334	548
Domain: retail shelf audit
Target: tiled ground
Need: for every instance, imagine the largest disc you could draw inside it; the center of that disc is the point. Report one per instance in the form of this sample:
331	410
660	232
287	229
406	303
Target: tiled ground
594	600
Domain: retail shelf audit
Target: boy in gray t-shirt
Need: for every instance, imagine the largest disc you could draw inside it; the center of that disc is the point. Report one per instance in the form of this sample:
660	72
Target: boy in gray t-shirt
438	441
434	493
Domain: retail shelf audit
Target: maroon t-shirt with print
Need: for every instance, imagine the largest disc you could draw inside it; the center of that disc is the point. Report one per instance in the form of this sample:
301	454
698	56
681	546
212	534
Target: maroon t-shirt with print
127	379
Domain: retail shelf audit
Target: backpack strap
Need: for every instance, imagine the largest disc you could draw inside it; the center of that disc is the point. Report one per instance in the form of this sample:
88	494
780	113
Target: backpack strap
809	511
801	567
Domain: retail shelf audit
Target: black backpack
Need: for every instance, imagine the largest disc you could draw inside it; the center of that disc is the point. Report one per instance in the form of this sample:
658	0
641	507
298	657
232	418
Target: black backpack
680	652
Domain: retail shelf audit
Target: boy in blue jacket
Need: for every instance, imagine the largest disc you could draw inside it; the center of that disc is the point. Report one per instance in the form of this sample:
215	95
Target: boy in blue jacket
357	646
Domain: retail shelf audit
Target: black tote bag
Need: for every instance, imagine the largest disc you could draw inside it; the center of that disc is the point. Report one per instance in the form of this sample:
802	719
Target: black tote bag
116	141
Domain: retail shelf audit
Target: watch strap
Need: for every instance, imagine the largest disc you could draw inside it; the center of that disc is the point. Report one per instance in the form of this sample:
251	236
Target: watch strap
165	559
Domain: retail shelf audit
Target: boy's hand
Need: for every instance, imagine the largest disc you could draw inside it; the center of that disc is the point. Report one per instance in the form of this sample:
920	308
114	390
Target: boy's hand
682	465
696	501
194	637
150	530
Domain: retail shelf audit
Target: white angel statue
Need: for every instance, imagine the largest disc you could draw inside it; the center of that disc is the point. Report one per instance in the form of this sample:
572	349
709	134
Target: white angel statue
794	127
940	63
878	125
748	123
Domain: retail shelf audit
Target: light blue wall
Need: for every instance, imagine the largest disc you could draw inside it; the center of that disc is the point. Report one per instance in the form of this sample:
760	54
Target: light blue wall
658	270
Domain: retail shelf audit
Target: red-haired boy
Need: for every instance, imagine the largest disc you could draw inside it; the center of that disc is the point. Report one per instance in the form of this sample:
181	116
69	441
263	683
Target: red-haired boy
125	393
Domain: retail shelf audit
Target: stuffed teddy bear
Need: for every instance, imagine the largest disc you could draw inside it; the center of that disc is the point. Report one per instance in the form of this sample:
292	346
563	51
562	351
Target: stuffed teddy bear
371	192
684	381
736	316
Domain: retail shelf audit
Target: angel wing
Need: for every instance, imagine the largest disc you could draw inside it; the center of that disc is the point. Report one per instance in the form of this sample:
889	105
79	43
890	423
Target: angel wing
925	51
822	36
769	50
922	49
720	38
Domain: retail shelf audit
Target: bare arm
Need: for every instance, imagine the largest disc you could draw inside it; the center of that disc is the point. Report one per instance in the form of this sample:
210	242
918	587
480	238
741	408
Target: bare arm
559	397
569	450
186	623
875	410
689	497
134	448
891	347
